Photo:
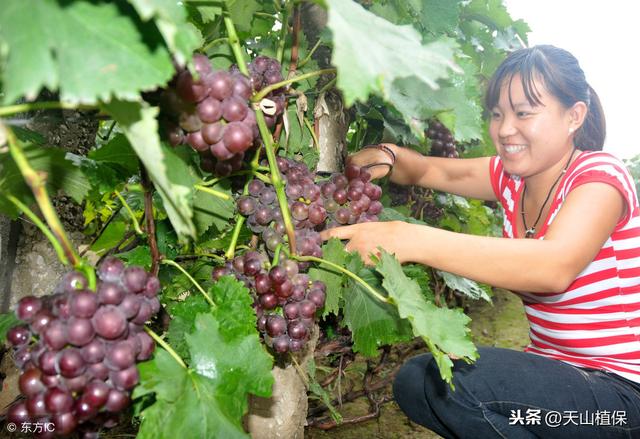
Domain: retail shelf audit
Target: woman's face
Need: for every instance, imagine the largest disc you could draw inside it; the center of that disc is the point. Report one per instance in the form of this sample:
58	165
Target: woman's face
529	138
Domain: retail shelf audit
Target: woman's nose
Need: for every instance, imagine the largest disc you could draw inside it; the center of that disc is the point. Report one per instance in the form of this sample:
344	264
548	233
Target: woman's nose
506	127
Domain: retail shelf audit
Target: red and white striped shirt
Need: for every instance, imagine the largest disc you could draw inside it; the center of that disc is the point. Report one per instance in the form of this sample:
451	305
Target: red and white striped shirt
595	323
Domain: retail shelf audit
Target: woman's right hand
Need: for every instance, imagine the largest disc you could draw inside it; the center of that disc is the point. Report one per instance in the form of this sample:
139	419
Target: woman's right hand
377	161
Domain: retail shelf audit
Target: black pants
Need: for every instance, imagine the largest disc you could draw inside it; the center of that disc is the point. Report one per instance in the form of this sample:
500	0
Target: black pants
512	394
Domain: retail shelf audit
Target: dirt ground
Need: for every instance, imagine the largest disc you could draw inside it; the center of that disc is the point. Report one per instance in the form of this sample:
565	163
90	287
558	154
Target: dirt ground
501	324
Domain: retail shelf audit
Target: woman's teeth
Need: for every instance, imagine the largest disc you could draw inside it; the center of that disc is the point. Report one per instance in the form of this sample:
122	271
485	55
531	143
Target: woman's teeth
511	149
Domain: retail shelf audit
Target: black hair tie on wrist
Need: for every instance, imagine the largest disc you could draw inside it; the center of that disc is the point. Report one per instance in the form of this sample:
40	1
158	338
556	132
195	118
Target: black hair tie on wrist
387	150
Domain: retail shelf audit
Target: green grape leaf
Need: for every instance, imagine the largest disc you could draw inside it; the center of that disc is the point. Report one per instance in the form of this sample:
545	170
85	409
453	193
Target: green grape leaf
117	151
61	174
370	62
93	52
227	363
242	13
372	323
7	321
444	330
211	210
440	16
140	256
183	318
333	251
187	405
167	170
465	286
110	236
170	17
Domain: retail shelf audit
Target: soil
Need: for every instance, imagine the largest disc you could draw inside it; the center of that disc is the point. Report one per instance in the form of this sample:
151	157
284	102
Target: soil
499	324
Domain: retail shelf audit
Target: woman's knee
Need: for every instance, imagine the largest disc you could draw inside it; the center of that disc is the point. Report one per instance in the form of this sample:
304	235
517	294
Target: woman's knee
408	385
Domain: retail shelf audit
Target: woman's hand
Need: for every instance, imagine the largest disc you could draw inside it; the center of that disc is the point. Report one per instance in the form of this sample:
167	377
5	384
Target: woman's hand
377	161
366	238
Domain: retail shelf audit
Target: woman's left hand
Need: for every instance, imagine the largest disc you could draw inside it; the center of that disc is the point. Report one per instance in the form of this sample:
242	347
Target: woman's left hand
366	238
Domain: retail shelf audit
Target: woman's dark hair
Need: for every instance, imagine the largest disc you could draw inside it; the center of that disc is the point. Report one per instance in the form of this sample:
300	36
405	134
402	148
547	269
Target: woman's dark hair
563	78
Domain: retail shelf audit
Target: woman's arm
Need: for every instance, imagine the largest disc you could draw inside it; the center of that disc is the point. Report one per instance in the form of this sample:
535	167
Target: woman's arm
584	223
464	177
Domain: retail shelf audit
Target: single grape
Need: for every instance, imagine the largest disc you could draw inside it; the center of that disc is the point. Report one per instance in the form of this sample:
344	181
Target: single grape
27	308
84	304
255	187
246	205
134	279
41	320
237	137
281	344
70	363
276	325
307	308
64	423
221	85
125	379
209	110
19	335
18	413
110	293
297	330
109	322
96	393
130	305
57	400
234	109
79	331
30	382
55	336
120	356
110	269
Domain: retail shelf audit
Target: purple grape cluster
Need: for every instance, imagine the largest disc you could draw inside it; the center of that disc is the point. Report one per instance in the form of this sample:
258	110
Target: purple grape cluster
442	142
351	197
265	71
78	349
303	197
212	114
285	299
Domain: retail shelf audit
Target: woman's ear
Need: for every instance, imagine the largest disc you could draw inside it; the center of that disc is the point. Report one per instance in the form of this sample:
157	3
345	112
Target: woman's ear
577	114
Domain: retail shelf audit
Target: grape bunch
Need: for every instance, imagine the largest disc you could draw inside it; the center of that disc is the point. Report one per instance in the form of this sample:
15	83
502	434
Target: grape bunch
285	299
351	197
78	349
442	142
212	114
265	71
303	197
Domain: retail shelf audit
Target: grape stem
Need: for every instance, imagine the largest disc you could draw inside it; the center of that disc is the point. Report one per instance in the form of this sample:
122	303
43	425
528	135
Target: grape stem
43	228
37	183
214	42
230	253
197	285
276	180
352	275
276	255
265	91
136	224
307	58
234	42
149	219
166	346
23	108
284	19
213	192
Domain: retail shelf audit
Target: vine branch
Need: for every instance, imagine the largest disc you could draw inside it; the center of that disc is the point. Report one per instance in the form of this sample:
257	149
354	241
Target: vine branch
32	106
150	221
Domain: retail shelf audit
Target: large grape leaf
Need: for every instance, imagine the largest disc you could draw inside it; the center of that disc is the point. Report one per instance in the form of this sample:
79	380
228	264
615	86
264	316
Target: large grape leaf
171	18
187	404
444	330
332	251
61	174
183	321
90	51
211	210
372	323
228	361
168	172
371	53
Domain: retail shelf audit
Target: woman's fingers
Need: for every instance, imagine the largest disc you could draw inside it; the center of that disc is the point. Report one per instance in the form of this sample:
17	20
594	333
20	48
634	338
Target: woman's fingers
344	232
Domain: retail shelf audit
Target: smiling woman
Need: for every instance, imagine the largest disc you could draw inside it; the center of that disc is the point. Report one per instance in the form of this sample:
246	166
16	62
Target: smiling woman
578	278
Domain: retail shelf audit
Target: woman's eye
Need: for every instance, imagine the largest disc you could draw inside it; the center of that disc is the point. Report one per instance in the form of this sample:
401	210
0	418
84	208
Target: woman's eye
522	113
495	115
